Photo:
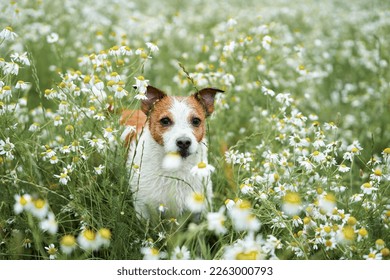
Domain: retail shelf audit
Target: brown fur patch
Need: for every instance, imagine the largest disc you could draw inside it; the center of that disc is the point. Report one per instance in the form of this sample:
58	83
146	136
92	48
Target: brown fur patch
134	118
159	111
197	112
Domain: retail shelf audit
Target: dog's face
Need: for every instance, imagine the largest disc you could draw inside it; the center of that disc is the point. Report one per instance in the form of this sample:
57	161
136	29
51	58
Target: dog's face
178	123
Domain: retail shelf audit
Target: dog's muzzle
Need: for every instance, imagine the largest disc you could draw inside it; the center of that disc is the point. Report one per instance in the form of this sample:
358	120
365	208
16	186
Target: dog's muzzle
183	143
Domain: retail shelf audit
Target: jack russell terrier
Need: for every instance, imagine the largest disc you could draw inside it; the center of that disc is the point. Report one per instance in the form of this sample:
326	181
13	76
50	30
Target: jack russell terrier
167	138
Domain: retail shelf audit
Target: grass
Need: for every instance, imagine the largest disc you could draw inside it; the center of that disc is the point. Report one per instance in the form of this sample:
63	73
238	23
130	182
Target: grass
299	140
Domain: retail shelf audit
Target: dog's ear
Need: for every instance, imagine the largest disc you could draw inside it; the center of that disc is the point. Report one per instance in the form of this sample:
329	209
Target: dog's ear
206	97
153	95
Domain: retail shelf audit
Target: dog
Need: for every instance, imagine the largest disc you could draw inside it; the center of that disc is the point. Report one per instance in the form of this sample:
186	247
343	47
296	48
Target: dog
166	139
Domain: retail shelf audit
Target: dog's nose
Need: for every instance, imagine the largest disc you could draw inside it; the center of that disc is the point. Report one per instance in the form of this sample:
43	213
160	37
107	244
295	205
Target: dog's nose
183	143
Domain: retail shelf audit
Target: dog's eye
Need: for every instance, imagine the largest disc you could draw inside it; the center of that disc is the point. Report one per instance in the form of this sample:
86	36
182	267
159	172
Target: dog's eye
165	121
196	122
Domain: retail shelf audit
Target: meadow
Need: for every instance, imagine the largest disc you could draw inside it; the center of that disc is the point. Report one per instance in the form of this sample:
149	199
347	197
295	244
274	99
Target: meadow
300	140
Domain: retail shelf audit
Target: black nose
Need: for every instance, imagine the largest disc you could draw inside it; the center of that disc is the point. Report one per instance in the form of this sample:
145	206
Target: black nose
183	143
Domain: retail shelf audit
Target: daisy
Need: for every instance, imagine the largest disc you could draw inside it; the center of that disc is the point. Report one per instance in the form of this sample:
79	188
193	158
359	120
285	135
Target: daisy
5	93
8	34
180	253
373	255
88	241
152	253
10	68
172	161
104	237
327	202
141	84
202	170
153	48
216	221
196	202
99	170
52	251
109	133
22	203
368	188
343	168
49	224
6	148
68	244
64	178
292	203
52	38
39	208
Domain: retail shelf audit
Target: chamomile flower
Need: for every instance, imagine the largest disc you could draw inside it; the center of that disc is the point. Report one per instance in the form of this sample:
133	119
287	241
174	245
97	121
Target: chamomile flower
103	237
88	241
242	217
368	188
362	234
22	203
52	38
68	244
172	161
244	249
49	224
152	47
109	133
39	208
196	202
346	234
292	203
180	253
6	148
63	177
151	253
141	85
11	68
327	202
202	170
373	255
343	168
99	170
8	34
52	251
216	221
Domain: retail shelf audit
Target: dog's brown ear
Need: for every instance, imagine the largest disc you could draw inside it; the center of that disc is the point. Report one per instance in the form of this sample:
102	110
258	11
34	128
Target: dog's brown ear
153	95
206	97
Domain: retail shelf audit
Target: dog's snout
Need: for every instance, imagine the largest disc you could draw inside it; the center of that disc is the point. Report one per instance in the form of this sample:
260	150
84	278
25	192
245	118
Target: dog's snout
183	143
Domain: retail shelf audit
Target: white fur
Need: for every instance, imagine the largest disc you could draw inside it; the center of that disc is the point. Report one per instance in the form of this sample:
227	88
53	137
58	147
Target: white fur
152	185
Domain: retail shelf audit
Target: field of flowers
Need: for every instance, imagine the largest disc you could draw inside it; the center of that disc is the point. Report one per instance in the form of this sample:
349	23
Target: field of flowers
300	139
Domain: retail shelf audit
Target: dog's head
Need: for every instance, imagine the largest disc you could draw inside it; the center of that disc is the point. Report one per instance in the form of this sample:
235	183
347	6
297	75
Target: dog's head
178	123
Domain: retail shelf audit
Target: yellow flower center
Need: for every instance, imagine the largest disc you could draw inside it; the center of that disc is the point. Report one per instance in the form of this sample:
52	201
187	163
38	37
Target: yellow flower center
330	197
39	203
328	243
105	233
367	185
354	150
371	255
22	200
90	235
385	252
252	255
109	129
52	251
154	251
349	233
306	220
68	240
202	165
351	221
198	197
363	232
292	197
327	229
141	78
387	151
380	242
378	172
245	204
